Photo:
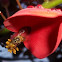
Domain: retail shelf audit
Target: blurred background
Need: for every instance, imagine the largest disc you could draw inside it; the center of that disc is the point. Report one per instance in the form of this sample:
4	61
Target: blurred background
23	55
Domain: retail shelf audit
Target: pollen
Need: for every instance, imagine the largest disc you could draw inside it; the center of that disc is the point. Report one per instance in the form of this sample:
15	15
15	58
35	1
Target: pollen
7	43
9	40
7	46
14	51
17	48
12	45
22	39
9	50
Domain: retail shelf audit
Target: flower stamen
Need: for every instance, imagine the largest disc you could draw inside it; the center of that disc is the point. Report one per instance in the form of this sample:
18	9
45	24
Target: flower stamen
11	45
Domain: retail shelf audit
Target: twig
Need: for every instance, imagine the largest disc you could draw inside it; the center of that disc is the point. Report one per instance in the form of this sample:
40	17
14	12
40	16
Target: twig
19	4
2	15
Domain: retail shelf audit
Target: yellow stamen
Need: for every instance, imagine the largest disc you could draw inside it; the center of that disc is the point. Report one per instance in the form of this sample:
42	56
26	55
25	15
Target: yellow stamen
17	48
12	45
9	40
14	51
19	4
9	50
21	38
7	46
2	15
7	43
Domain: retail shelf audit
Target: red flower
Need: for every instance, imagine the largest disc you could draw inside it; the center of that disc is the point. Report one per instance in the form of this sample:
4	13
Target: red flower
30	6
46	29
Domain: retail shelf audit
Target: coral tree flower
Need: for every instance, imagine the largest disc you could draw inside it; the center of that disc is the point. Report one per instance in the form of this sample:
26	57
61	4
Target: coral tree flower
46	29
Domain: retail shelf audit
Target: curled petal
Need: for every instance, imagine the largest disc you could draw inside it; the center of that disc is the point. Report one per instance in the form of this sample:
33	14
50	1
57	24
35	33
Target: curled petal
29	17
44	40
45	27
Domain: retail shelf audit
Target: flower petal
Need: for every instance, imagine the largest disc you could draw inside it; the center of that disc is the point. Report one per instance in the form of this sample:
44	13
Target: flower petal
29	17
45	27
43	41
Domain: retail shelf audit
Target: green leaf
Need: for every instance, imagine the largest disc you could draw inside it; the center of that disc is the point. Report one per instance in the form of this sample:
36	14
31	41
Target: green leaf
4	31
51	4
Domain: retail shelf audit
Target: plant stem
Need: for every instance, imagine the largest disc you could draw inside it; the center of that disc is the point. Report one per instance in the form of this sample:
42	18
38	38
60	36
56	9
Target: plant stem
19	4
7	11
4	30
2	15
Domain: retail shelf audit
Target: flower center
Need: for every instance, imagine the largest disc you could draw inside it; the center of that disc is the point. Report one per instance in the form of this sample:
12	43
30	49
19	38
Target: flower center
12	44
